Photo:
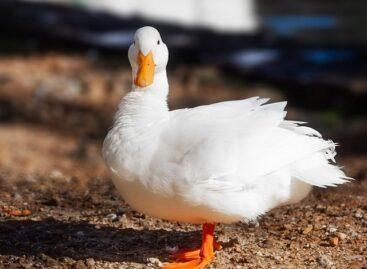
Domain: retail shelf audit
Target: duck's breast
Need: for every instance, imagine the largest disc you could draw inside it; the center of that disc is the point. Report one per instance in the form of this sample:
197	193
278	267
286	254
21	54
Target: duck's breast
168	207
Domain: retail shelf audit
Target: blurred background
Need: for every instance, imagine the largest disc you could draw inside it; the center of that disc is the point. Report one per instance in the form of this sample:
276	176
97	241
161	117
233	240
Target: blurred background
64	68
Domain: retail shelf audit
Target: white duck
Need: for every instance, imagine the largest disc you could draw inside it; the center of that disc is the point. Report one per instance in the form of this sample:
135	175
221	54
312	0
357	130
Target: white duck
219	163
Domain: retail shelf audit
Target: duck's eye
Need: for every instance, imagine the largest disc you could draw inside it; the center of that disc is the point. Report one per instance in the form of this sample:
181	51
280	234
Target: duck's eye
158	42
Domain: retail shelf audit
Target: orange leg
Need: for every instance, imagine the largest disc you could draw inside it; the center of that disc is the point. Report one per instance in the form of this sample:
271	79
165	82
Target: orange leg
189	254
197	258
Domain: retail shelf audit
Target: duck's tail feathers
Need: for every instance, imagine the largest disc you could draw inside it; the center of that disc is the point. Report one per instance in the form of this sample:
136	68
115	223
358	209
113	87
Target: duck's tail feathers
318	169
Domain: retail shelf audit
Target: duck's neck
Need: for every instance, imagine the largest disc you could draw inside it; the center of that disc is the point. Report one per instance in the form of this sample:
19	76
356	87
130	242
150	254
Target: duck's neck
142	111
139	122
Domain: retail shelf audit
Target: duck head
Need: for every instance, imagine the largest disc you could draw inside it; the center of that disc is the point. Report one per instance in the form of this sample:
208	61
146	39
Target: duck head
148	56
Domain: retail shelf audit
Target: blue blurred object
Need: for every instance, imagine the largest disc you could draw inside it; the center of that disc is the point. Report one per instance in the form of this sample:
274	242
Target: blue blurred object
288	25
328	56
253	57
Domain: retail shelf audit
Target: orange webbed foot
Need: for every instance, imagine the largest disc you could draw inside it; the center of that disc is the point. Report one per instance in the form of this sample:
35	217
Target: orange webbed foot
198	263
192	253
196	258
187	254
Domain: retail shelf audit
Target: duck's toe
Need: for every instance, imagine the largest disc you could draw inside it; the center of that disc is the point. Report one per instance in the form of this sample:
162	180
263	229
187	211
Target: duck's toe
198	263
189	254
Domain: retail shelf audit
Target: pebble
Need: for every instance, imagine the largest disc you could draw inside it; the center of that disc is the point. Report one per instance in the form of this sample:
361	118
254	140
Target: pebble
154	261
334	241
112	216
277	258
238	248
358	215
332	229
79	265
90	262
17	196
287	226
253	224
267	243
308	229
341	236
56	174
324	261
354	234
15	212
19	213
49	261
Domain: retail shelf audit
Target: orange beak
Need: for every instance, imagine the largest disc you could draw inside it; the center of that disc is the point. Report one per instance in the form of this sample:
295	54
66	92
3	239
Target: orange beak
145	74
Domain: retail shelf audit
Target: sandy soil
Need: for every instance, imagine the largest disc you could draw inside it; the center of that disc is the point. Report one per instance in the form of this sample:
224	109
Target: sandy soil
59	209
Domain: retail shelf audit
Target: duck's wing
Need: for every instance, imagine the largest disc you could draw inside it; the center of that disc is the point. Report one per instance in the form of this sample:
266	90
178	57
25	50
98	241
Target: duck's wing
206	142
230	145
225	118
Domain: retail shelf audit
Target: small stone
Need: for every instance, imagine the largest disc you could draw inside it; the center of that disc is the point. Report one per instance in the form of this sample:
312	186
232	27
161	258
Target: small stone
318	218
18	213
354	234
90	262
358	215
324	261
254	224
238	248
332	230
79	265
15	212
267	243
308	229
287	226
48	260
26	212
155	262
341	236
277	258
56	174
112	217
334	241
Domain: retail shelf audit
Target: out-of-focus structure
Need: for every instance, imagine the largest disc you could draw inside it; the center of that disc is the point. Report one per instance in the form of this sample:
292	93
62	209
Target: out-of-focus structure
222	16
307	42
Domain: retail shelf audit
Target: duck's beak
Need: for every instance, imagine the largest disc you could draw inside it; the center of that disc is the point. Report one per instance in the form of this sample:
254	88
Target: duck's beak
145	75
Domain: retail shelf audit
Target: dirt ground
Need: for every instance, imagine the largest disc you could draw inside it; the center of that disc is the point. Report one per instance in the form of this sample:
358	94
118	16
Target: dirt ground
59	208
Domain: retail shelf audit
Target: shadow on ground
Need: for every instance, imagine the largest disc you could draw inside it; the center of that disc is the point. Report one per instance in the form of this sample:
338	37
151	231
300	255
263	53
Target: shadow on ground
81	240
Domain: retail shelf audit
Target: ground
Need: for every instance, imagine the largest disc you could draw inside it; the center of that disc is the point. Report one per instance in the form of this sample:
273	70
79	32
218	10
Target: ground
59	208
